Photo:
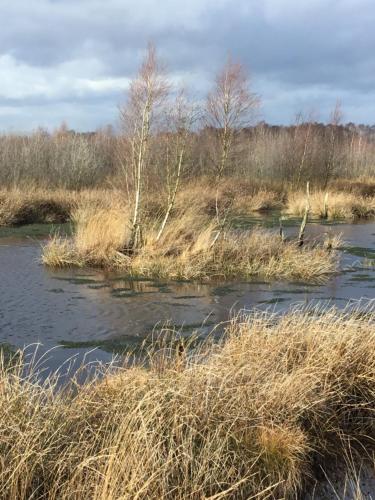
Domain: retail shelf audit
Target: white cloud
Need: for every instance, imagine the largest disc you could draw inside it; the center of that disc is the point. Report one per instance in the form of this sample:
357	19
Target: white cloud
72	59
66	80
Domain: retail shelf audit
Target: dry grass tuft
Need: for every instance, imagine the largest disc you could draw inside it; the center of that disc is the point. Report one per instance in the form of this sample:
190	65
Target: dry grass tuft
19	207
100	232
340	205
362	186
276	400
191	247
262	201
235	194
36	205
283	452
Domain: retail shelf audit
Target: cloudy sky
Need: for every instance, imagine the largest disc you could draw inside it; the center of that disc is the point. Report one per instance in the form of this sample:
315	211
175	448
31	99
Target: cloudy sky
72	60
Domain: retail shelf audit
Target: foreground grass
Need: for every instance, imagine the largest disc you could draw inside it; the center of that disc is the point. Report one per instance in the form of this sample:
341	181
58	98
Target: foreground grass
258	415
191	247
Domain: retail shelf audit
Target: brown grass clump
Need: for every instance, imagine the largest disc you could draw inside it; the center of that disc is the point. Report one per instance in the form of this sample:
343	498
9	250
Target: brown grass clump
257	415
19	207
191	247
261	201
36	205
336	205
100	234
363	186
238	195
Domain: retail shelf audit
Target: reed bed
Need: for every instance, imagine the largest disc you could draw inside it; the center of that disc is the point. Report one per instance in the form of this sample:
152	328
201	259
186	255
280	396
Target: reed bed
259	413
192	246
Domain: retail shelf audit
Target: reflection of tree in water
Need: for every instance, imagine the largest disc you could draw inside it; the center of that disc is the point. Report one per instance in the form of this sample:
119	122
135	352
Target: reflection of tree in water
42	306
136	307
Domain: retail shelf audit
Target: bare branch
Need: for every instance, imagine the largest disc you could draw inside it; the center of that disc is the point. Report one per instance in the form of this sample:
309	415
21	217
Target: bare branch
229	107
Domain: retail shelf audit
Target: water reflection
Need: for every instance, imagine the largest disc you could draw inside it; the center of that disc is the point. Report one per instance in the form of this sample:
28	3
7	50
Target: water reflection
85	309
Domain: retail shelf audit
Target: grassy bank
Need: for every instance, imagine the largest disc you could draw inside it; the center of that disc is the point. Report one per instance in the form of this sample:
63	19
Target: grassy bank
193	246
29	205
333	205
259	415
33	205
345	199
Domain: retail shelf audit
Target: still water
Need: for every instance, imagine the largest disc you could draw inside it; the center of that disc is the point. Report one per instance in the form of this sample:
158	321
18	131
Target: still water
92	314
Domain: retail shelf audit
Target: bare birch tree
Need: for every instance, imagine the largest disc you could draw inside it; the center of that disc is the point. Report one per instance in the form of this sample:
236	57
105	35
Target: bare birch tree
331	147
147	93
302	140
229	107
180	120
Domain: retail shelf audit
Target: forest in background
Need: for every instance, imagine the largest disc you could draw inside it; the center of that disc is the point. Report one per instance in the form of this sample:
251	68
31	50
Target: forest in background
305	151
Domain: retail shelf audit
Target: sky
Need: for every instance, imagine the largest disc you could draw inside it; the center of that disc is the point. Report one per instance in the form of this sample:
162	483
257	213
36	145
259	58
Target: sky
72	60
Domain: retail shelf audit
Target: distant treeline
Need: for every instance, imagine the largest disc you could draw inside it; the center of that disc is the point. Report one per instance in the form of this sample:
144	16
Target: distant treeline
292	154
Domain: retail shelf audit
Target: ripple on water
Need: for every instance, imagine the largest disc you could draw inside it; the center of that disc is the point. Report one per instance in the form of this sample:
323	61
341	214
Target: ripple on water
89	309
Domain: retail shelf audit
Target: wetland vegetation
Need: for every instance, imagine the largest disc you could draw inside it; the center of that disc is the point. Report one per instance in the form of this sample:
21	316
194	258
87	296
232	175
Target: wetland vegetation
192	246
260	412
185	216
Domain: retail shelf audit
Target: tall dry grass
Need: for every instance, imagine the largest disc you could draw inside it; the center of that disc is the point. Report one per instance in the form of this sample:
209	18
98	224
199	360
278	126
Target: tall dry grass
362	185
334	205
32	204
258	414
193	246
19	206
237	194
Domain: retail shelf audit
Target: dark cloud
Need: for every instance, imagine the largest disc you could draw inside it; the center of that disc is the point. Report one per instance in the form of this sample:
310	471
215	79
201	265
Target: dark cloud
63	55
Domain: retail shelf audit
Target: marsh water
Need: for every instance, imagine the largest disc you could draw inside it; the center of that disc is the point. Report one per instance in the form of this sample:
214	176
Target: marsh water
89	314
